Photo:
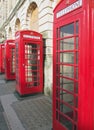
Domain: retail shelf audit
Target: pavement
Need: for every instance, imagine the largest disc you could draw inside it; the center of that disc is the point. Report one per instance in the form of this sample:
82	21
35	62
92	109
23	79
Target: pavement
23	113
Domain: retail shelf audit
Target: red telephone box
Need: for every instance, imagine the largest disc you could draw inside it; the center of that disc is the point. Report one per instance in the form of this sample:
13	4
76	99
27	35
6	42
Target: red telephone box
29	62
2	68
10	59
73	65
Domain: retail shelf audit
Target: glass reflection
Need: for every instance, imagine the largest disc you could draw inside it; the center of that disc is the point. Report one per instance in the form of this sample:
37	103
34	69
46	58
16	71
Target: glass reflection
77	43
67	84
67	71
67	44
67	30
77	27
32	57
66	97
67	123
67	57
66	110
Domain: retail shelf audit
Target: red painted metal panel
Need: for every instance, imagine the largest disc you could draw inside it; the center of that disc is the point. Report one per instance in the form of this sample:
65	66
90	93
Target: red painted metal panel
73	65
2	68
29	62
10	59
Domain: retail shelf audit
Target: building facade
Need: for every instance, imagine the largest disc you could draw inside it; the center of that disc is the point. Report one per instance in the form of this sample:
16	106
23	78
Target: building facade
34	15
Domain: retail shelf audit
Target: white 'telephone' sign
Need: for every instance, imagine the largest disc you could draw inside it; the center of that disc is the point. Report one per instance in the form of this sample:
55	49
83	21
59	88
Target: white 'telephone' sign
70	8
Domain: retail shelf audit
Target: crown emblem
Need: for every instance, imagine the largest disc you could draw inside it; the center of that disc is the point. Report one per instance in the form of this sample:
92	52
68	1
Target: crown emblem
67	2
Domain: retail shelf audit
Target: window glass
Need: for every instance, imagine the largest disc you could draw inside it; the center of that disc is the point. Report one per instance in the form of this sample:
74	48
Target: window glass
67	30
67	44
67	57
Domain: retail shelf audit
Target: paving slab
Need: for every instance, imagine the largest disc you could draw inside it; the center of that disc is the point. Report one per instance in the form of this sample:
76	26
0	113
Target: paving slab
23	113
3	124
34	113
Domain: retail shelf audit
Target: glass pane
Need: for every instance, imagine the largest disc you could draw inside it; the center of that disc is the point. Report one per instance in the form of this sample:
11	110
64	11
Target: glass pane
67	71
67	57
76	102
66	110
57	81
77	27
76	87
64	121
13	61
76	57
57	57
17	62
67	84
32	57
77	41
67	44
61	82
76	116
66	97
56	115
76	72
75	127
57	69
67	30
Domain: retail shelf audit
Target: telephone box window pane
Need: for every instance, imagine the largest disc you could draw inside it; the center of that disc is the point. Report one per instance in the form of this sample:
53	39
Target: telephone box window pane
68	85
67	71
66	110
76	102
76	57
67	57
67	44
13	61
57	57
76	85
56	115
77	41
57	70
76	72
32	57
64	121
67	30
77	27
57	79
17	62
66	97
61	82
75	127
76	115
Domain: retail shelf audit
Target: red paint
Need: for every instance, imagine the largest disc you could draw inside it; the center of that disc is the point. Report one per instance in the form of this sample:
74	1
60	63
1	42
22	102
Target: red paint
66	63
10	59
29	62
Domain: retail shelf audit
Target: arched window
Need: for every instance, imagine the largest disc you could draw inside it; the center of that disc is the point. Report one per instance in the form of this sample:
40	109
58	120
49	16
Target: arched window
32	17
17	24
9	33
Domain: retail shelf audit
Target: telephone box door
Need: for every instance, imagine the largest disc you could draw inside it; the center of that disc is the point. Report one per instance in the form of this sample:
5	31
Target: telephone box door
33	66
67	41
12	61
